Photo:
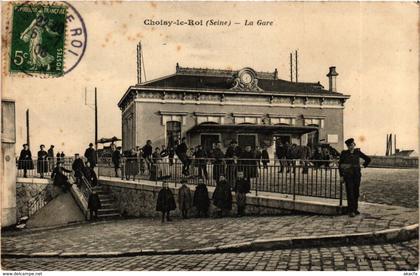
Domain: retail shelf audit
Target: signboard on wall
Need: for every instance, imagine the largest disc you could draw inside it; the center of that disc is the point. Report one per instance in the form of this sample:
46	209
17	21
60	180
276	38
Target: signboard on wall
332	138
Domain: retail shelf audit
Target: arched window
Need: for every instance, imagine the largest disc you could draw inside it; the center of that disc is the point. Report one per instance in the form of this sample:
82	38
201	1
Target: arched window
173	132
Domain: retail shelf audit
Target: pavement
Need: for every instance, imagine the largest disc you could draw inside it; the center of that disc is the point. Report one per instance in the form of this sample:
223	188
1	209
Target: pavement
157	246
396	256
135	235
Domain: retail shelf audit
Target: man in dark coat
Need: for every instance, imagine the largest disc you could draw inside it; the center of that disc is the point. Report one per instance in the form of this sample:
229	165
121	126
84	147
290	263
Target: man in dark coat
265	158
59	178
258	155
350	174
42	162
25	162
281	154
147	151
222	196
116	157
201	160
248	163
78	168
51	157
201	199
181	152
94	204
242	187
218	161
184	199
165	202
90	154
233	152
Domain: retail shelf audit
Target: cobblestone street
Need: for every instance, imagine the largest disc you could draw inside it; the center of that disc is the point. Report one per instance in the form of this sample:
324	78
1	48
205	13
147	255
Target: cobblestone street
399	256
390	186
122	235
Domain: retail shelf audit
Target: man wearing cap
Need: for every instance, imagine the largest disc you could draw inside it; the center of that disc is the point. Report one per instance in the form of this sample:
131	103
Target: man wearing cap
349	169
90	154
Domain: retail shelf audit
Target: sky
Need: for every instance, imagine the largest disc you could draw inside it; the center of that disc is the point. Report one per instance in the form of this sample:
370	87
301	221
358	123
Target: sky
374	47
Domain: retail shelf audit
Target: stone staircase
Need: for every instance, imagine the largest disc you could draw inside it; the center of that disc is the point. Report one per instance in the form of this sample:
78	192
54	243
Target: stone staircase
108	210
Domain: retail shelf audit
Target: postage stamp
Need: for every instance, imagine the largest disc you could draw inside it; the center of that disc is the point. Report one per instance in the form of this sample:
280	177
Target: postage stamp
38	39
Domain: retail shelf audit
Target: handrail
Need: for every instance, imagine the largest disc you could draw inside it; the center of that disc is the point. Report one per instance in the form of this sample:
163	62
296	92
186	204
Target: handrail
36	201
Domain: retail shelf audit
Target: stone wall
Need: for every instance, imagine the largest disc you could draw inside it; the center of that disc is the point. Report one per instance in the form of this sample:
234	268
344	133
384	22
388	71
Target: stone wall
138	199
26	190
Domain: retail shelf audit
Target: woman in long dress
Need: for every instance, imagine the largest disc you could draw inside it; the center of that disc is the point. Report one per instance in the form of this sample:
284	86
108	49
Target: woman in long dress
33	34
25	162
42	163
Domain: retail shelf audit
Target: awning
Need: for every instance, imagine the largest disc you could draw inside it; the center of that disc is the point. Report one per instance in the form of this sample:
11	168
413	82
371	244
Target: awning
108	140
251	128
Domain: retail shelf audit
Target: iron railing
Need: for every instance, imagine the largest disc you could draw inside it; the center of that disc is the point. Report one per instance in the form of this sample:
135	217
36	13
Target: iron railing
38	201
34	167
85	187
313	178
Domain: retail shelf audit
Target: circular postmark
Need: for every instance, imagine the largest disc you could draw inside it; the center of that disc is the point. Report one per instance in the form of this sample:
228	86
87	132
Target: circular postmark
76	39
47	39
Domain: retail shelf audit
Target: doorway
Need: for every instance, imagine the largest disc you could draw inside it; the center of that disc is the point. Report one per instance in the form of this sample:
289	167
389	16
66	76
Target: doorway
207	141
247	140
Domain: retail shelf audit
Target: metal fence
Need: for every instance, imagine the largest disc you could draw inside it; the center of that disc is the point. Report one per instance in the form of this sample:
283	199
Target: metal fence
36	168
314	178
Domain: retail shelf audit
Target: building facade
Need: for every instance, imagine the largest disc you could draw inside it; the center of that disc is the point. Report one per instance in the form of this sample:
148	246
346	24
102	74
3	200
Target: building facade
254	108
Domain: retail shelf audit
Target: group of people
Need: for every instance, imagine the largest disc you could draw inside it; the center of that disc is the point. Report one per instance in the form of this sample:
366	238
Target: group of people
158	161
45	160
222	198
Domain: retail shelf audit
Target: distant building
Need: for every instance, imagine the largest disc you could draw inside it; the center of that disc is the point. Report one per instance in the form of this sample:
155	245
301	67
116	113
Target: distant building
254	108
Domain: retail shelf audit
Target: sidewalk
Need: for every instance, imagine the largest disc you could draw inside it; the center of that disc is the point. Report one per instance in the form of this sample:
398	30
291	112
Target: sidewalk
150	235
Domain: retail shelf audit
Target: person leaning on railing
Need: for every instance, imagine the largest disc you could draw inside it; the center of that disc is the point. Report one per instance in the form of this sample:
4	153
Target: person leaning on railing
77	167
200	155
59	178
218	161
350	174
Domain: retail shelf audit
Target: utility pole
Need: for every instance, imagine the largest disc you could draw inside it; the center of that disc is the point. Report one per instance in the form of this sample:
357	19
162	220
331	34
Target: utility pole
27	128
296	65
96	120
139	63
291	67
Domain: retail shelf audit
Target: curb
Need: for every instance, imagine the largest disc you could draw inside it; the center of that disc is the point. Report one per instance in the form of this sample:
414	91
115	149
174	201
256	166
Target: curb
383	236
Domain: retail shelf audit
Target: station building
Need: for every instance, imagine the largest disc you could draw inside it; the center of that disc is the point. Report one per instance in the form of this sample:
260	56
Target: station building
254	108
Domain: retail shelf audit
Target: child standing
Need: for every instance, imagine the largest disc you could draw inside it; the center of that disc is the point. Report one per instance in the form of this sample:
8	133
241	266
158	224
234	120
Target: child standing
222	196
242	187
201	199
184	198
165	201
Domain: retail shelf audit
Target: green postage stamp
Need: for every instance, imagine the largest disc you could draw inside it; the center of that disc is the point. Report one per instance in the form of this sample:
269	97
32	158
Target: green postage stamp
37	43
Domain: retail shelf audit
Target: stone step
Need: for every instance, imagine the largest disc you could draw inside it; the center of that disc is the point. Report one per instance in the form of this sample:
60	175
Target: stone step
111	215
108	211
105	196
107	204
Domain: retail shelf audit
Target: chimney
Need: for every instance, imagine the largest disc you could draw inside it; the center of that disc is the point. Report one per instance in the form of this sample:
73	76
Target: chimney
276	74
332	76
177	67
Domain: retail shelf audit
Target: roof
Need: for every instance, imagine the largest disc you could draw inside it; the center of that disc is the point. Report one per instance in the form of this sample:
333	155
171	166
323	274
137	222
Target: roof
215	79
